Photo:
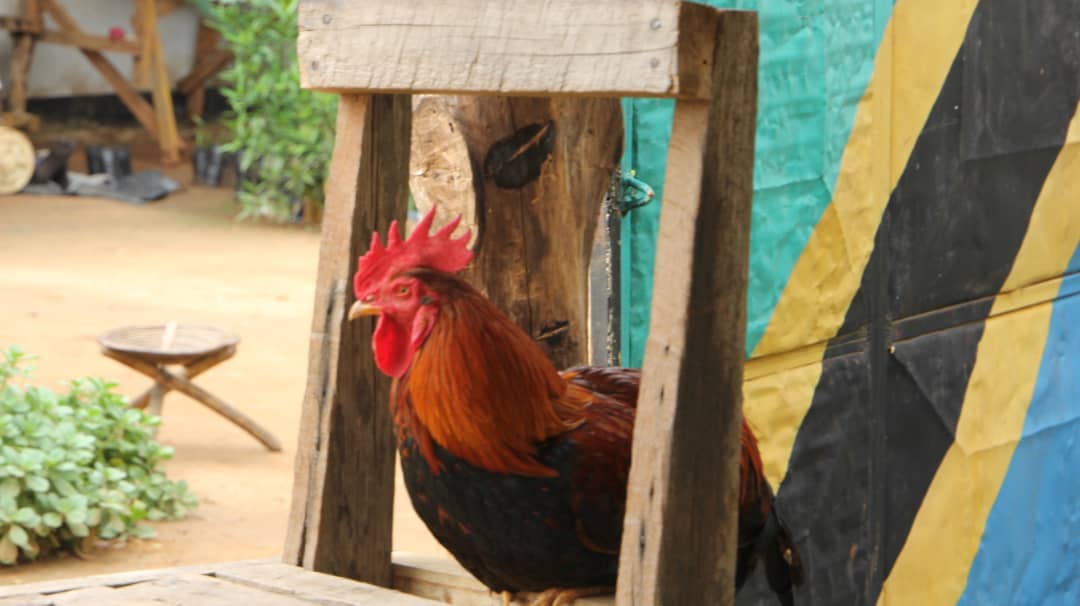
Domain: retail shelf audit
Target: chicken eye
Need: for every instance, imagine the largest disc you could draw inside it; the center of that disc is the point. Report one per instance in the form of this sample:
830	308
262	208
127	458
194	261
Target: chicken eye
403	291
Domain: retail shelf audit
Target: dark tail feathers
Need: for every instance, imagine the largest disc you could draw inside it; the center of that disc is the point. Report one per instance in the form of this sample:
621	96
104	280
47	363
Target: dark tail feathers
774	547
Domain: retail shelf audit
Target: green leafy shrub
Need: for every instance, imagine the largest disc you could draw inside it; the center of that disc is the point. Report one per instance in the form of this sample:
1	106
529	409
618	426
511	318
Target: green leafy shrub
282	133
77	467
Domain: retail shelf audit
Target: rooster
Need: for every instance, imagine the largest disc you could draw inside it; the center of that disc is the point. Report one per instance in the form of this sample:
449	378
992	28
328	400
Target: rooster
518	470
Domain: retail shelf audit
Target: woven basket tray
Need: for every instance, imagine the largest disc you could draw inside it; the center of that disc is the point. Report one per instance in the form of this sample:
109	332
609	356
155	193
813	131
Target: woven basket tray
171	343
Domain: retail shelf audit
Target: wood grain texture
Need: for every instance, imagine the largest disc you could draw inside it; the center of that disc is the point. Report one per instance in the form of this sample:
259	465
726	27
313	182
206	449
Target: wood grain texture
21	57
324	589
250	583
446	581
680	528
343	493
188	590
99	580
534	242
514	47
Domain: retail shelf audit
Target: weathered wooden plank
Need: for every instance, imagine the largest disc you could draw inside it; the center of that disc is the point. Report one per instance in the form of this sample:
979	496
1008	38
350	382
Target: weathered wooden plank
311	586
98	580
342	509
512	47
544	165
26	600
91	595
680	528
191	589
446	581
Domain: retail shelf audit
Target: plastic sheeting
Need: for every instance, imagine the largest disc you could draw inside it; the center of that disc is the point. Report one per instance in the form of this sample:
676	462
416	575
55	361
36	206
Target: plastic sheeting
914	266
816	60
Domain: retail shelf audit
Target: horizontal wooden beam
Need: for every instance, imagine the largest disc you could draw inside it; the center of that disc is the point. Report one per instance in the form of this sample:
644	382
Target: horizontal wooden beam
19	24
88	42
445	580
508	47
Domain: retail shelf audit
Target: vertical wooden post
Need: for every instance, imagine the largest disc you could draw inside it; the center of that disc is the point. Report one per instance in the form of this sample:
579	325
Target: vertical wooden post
22	55
680	528
343	494
206	42
140	62
536	212
20	70
168	137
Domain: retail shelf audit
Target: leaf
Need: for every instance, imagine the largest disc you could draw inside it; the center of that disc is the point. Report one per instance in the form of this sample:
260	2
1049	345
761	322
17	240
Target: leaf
117	524
77	529
77	516
113	474
37	483
64	487
10	487
52	519
31	550
27	517
144	531
17	535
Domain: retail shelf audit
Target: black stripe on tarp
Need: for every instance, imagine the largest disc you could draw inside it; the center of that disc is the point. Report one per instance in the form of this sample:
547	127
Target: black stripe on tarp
955	222
946	244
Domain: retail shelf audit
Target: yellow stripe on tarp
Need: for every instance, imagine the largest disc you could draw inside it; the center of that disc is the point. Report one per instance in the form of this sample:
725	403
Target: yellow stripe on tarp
933	565
917	49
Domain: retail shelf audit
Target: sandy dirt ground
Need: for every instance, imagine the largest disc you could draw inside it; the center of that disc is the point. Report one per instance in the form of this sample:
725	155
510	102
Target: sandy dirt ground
71	268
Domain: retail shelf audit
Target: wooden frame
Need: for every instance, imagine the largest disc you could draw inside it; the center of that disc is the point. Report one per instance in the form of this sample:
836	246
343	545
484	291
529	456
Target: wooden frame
158	117
680	525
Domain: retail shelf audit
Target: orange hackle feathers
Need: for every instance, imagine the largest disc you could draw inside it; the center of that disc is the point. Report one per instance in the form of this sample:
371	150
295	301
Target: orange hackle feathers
437	251
482	389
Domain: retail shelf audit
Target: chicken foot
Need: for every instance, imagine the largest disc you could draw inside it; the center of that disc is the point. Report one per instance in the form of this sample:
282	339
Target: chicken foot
558	596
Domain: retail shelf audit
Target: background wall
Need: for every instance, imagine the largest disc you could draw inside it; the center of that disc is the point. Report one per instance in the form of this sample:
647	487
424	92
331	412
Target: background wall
62	71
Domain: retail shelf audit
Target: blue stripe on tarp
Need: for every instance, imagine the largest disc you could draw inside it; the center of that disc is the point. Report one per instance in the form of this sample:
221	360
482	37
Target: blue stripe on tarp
1030	548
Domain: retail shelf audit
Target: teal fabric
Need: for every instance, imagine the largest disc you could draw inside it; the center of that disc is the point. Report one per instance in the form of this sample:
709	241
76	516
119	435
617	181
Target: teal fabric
816	60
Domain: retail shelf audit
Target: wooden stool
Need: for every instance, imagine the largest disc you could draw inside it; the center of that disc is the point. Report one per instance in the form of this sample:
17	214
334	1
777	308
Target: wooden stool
196	349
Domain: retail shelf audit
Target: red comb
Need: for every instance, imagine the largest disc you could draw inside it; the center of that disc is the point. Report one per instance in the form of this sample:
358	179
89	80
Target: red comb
435	251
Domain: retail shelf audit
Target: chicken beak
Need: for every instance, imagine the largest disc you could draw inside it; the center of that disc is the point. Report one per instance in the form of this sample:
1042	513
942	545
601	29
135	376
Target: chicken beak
360	309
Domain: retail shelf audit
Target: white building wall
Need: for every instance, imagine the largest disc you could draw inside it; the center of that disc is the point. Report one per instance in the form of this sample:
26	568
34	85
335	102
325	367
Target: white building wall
62	71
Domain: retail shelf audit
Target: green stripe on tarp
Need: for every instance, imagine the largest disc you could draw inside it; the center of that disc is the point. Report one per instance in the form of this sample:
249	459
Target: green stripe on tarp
816	60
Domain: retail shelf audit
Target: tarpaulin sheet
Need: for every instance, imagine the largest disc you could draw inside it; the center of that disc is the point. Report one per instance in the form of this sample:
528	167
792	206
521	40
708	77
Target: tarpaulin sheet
913	333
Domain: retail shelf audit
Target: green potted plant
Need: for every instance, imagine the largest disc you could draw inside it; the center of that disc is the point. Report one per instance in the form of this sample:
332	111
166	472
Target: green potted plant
282	135
209	158
77	468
